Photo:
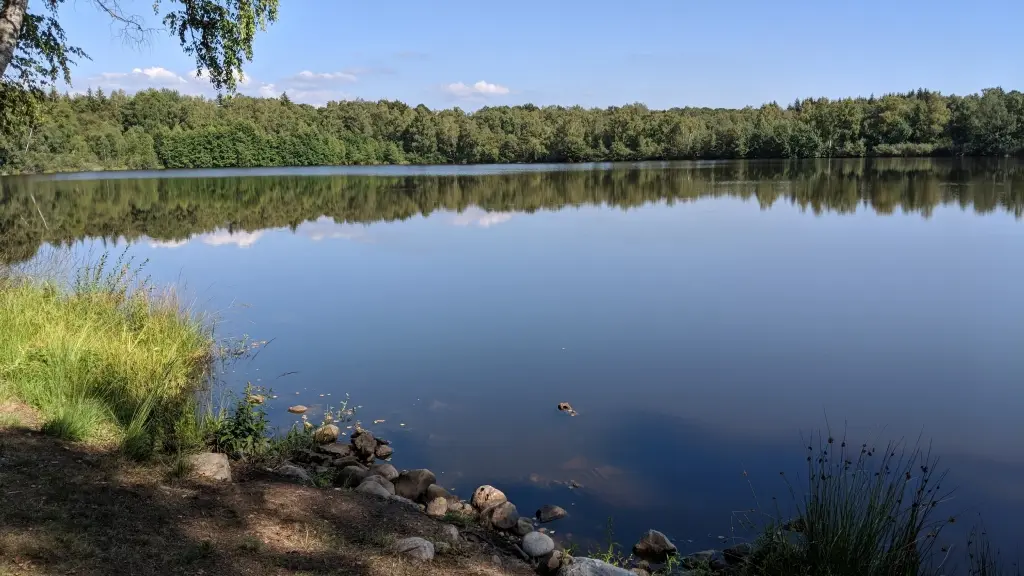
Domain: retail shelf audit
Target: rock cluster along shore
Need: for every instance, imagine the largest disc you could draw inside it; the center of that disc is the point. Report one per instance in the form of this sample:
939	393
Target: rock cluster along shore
354	465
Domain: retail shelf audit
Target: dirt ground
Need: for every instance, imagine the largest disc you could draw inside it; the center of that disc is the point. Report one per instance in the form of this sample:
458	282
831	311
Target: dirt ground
69	509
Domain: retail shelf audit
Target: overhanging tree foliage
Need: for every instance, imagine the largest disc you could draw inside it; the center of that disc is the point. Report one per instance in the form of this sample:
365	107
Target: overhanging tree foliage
34	51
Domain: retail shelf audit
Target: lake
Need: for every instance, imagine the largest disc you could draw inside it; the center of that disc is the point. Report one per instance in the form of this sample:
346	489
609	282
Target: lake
700	317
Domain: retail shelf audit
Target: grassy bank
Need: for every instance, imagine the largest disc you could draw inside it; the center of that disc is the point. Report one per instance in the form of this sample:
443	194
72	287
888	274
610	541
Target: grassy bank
104	357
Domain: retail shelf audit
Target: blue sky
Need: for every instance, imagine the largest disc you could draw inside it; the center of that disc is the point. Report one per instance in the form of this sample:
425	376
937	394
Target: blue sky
664	53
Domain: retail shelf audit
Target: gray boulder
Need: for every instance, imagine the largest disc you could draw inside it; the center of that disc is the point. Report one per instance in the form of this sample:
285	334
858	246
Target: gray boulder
405	501
289	470
212	466
450	532
369	487
523	527
503	516
738	553
550	513
351	476
386	471
383	451
654	546
336	450
415	548
378	480
364	444
485	497
537	544
413	484
591	567
434	491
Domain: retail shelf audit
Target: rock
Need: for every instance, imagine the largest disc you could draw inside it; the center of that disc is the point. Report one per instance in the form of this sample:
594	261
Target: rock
654	546
212	466
523	527
437	507
415	548
698	560
298	409
413	484
306	456
537	544
487	496
464	508
550	513
326	434
549	564
383	451
496	560
591	567
383	482
292	471
350	476
364	444
368	487
435	491
502	516
385	471
347	461
336	450
257	399
738	553
795	525
450	532
640	572
442	548
405	501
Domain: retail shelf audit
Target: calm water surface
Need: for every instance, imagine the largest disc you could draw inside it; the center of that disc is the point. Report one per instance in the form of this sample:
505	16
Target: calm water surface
699	317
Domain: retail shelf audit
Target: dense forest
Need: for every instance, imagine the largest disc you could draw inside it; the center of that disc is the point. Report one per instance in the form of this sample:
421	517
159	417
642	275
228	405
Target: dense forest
34	211
164	129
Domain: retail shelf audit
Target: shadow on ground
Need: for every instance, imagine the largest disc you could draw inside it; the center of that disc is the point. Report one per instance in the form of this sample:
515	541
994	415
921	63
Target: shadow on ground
66	508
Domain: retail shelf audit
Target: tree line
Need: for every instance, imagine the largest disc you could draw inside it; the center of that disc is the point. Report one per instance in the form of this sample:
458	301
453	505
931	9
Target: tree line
34	211
165	129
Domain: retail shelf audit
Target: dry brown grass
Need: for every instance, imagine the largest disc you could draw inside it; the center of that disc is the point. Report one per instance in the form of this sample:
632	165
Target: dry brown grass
68	508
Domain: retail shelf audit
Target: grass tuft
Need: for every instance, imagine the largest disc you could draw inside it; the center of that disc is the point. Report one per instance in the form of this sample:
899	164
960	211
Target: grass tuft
105	358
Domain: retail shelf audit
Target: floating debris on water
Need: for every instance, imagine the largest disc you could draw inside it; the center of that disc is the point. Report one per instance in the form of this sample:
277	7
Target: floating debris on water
567	408
402	424
378	421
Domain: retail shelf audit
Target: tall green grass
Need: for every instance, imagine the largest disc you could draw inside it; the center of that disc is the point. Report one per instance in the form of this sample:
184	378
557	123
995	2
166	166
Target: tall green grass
104	357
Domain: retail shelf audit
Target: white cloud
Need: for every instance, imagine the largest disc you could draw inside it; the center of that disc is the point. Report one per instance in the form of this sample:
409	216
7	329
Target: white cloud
324	77
324	228
223	238
168	243
481	89
480	217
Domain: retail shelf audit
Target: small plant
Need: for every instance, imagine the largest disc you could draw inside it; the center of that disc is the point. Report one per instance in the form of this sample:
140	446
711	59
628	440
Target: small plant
612	551
251	544
181	467
458	519
75	421
324	479
243	432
